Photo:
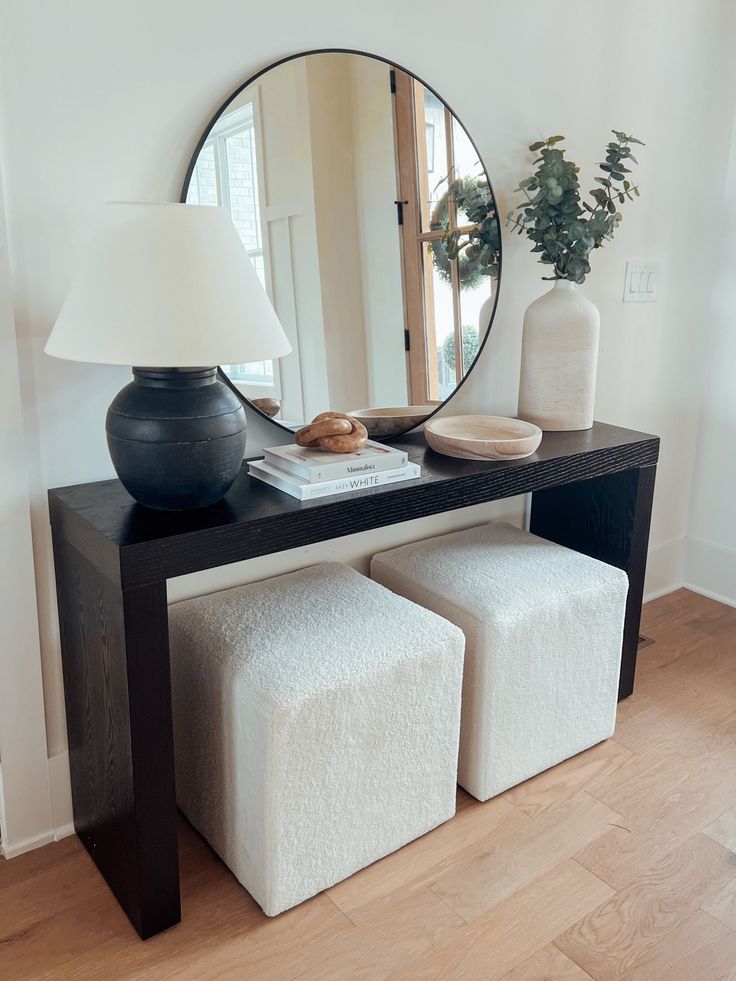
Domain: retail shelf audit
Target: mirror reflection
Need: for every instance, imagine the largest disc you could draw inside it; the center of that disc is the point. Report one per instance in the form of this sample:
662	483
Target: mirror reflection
367	213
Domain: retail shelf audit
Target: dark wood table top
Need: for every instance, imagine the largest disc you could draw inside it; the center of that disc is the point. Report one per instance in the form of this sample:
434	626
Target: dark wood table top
134	545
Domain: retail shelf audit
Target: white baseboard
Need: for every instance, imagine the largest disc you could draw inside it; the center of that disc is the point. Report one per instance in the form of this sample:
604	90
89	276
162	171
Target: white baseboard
65	831
61	809
3	832
701	566
710	569
665	569
28	845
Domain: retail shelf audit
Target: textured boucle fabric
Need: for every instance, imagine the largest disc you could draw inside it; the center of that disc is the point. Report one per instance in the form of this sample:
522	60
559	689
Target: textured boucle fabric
316	723
543	628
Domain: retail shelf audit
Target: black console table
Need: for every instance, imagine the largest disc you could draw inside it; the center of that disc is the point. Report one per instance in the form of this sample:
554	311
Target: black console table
592	491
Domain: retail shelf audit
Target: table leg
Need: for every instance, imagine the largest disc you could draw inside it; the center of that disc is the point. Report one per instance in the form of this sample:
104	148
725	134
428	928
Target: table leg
118	707
607	518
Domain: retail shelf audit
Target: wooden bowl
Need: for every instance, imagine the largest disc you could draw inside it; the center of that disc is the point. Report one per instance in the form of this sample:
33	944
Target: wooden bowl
391	420
269	407
483	437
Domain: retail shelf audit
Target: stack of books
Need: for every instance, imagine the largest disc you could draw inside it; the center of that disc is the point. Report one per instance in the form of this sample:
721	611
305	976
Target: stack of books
307	473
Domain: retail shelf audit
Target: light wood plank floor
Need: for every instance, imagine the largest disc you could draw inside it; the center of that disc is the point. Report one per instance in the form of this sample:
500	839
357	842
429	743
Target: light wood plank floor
620	863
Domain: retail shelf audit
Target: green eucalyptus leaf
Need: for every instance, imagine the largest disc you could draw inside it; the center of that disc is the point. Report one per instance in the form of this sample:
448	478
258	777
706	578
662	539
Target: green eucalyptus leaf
561	228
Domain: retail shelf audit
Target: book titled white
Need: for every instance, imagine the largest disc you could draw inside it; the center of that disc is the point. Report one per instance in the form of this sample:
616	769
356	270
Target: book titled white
316	466
303	490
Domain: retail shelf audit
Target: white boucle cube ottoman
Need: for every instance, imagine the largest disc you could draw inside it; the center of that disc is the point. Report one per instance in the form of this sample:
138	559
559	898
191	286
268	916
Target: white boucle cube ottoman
543	627
316	725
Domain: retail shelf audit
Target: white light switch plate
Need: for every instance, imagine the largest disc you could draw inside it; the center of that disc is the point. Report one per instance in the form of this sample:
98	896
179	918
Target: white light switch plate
642	280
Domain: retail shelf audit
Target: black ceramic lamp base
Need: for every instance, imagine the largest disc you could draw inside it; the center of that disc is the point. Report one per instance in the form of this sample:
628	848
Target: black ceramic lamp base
176	437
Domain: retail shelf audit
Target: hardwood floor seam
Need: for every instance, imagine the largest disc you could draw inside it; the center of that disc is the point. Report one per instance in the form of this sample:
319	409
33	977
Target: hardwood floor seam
711	823
445	903
716	920
571	957
591	872
609	824
346	915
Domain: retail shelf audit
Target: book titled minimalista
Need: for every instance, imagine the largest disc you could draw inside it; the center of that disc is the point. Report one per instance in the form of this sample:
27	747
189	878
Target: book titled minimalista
304	490
316	466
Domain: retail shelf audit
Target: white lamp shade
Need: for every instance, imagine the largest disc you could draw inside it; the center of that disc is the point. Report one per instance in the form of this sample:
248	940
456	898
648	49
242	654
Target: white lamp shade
167	285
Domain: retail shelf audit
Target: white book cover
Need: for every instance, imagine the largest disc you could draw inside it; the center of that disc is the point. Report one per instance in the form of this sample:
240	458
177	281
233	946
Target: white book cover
303	490
315	466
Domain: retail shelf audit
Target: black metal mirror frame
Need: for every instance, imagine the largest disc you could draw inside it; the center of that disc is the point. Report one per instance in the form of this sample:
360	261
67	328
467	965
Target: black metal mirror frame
365	54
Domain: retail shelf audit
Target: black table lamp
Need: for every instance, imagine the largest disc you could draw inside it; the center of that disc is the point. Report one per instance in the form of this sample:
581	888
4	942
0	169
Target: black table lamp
170	290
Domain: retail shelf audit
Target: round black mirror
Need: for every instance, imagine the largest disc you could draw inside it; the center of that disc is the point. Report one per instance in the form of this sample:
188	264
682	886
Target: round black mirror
370	218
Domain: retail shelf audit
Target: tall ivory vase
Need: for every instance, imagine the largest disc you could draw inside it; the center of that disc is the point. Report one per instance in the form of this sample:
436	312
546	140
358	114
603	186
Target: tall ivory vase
559	357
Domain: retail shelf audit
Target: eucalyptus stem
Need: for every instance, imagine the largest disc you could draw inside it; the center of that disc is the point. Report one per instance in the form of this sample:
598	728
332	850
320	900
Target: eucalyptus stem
552	216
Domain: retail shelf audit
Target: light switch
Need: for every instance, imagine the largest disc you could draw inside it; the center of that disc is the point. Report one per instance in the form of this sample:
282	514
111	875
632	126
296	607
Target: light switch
642	279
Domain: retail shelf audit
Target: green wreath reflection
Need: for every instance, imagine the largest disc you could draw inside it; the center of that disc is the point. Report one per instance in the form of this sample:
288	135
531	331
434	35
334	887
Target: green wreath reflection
478	251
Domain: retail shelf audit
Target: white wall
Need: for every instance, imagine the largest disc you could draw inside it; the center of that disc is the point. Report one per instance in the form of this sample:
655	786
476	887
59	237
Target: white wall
710	562
25	807
104	100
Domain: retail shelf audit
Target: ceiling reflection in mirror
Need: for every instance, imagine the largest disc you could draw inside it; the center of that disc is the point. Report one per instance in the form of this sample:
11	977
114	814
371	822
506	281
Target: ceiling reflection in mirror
370	220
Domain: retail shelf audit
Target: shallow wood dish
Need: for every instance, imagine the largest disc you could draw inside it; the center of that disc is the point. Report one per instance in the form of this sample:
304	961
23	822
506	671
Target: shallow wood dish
269	407
483	437
390	421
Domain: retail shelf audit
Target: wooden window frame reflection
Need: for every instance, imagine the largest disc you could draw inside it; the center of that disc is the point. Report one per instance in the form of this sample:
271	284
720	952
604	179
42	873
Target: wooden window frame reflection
414	209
